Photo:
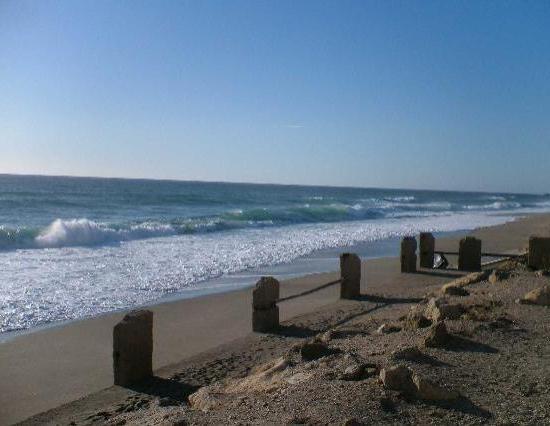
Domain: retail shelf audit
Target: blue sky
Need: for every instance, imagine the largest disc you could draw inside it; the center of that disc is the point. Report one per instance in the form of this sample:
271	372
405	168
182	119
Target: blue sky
443	95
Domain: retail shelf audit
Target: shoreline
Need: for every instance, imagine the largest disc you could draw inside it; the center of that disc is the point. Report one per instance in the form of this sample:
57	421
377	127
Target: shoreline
57	365
242	280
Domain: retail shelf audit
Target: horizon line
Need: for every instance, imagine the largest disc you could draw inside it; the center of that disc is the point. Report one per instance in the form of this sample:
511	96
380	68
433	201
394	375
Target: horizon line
261	183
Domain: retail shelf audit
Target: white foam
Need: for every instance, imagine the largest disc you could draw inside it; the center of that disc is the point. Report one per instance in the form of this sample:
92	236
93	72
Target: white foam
84	232
497	205
41	286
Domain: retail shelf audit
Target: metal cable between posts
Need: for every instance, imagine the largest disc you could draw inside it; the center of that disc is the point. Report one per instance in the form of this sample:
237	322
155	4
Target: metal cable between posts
312	290
503	255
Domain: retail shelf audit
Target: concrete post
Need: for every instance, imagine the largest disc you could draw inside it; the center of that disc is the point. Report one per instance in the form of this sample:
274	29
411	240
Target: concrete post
539	252
408	254
427	248
469	254
265	312
350	273
133	348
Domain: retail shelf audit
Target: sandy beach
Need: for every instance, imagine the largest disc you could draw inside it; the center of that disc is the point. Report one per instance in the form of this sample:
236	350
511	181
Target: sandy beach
43	370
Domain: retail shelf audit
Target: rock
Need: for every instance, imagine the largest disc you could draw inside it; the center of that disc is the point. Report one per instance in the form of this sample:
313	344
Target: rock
354	372
327	336
539	296
497	276
411	353
430	391
415	319
314	350
438	337
370	371
204	400
439	309
466	280
388	328
398	378
455	291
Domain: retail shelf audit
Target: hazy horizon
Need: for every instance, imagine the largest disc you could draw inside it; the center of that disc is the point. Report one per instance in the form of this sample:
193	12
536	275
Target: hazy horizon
264	183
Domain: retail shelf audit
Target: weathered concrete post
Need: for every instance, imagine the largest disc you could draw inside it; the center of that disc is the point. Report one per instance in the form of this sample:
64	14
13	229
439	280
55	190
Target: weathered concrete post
133	348
469	254
539	252
350	273
265	312
427	248
408	254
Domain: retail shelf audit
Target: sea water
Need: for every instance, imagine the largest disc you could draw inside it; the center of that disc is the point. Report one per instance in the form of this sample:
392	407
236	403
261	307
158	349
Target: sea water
75	247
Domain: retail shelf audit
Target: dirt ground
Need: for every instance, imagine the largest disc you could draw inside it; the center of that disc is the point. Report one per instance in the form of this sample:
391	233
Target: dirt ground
495	361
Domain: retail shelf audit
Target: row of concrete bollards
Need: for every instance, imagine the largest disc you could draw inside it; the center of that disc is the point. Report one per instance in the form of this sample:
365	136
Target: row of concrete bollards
469	253
133	336
265	296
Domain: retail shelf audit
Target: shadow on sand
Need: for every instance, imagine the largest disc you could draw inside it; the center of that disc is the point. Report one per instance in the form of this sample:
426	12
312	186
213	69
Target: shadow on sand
462	344
441	273
462	405
173	391
388	300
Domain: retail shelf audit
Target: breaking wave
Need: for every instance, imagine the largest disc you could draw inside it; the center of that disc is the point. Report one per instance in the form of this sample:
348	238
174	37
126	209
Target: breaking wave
87	232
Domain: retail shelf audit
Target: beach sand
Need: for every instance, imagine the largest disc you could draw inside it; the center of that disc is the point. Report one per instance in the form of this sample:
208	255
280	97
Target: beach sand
44	369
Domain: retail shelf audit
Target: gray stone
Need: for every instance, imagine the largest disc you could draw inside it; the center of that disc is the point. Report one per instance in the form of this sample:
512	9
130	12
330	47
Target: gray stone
498	275
438	336
350	271
455	291
408	254
133	348
538	296
469	254
539	252
398	378
411	353
311	351
388	328
416	319
430	391
265	320
354	372
427	247
439	309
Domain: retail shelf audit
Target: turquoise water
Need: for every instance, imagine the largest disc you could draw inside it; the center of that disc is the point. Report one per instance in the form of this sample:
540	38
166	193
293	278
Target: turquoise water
74	247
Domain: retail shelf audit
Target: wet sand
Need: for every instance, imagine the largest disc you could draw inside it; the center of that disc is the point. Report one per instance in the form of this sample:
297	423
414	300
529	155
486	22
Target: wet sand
47	368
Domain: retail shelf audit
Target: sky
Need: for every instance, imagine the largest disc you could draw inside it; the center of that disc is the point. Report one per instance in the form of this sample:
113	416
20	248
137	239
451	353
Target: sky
427	94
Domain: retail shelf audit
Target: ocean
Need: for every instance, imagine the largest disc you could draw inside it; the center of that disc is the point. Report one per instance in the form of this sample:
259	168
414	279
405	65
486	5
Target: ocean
76	247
